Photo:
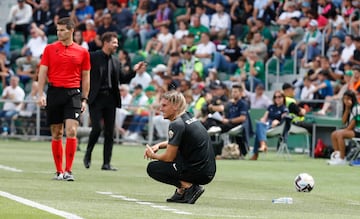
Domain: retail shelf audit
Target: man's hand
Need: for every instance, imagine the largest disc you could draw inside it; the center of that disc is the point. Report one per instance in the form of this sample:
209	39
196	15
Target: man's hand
41	101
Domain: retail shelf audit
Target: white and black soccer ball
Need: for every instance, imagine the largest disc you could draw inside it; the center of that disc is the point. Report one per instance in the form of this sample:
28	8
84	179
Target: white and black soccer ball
304	182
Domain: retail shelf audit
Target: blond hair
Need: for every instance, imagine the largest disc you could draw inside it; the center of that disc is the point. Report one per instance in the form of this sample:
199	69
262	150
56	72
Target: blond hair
176	98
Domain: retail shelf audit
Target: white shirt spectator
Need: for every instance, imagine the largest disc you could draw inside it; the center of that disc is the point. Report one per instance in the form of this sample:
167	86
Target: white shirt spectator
220	22
164	39
347	52
288	15
179	34
16	94
19	15
307	92
37	45
143	79
208	48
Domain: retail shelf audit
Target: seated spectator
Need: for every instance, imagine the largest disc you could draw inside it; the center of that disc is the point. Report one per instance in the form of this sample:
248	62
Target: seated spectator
36	43
204	18
287	42
272	117
258	99
19	19
44	18
157	44
240	74
226	59
105	26
190	64
349	48
335	44
355	58
336	66
220	23
307	93
83	12
196	29
27	114
312	42
15	94
174	67
142	77
329	100
205	49
89	34
234	112
140	26
258	46
121	113
290	11
78	38
178	38
141	116
350	119
255	71
355	81
27	68
323	87
295	111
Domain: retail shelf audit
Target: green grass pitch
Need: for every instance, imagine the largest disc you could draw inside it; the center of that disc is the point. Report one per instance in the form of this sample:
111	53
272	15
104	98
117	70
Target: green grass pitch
241	188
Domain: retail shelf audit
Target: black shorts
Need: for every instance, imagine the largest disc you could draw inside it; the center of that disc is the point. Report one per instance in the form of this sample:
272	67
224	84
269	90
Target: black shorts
62	104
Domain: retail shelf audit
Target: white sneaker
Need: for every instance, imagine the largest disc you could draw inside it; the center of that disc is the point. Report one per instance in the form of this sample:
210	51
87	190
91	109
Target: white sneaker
58	176
338	161
214	130
335	155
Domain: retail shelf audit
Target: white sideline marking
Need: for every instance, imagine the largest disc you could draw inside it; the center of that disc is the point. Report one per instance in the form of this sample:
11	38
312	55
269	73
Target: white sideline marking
160	207
39	206
10	169
173	210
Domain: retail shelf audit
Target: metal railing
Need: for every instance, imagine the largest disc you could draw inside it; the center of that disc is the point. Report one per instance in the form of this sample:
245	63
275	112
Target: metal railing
267	71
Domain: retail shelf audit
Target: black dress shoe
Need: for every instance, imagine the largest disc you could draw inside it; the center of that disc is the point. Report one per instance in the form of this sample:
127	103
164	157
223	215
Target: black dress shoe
86	162
108	167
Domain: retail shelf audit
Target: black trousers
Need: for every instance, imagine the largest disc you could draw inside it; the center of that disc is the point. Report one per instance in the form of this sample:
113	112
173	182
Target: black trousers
102	110
172	173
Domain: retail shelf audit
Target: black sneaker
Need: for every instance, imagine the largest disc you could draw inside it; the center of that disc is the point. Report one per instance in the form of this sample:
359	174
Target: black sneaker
68	176
193	193
178	198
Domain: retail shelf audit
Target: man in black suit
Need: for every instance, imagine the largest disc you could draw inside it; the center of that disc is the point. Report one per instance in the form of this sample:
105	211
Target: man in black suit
104	96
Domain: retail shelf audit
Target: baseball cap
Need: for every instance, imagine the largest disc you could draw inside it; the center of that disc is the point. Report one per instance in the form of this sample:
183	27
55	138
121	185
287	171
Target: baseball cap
28	52
313	23
348	73
159	68
287	86
217	85
149	88
306	4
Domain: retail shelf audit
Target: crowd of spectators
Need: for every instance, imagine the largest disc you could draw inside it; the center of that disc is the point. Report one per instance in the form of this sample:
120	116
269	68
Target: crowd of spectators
198	41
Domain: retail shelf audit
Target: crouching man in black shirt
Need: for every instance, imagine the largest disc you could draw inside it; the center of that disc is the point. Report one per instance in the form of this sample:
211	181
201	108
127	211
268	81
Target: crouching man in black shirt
188	160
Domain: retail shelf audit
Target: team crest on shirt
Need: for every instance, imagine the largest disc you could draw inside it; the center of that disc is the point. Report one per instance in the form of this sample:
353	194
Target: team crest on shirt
171	134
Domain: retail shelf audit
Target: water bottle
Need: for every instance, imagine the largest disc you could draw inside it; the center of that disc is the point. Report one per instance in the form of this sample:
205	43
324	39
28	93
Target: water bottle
5	130
283	200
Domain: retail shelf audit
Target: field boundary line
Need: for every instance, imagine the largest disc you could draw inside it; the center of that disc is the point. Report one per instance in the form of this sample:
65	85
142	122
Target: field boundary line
42	207
12	169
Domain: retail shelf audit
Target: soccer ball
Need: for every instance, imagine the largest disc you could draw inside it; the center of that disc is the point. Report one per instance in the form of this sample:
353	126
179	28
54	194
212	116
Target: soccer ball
304	182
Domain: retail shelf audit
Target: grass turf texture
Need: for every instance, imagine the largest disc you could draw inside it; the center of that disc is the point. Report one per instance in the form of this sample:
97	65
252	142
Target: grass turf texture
241	188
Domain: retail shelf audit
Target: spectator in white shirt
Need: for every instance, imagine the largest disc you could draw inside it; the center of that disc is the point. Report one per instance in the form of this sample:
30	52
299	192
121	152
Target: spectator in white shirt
348	50
142	77
205	49
220	23
19	18
15	94
290	11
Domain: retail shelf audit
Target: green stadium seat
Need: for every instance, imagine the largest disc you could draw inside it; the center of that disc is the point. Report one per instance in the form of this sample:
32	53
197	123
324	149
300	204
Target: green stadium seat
52	38
288	67
137	58
16	41
131	45
155	59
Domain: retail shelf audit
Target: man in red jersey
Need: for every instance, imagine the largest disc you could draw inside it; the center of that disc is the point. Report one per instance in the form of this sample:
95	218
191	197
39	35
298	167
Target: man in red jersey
66	65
